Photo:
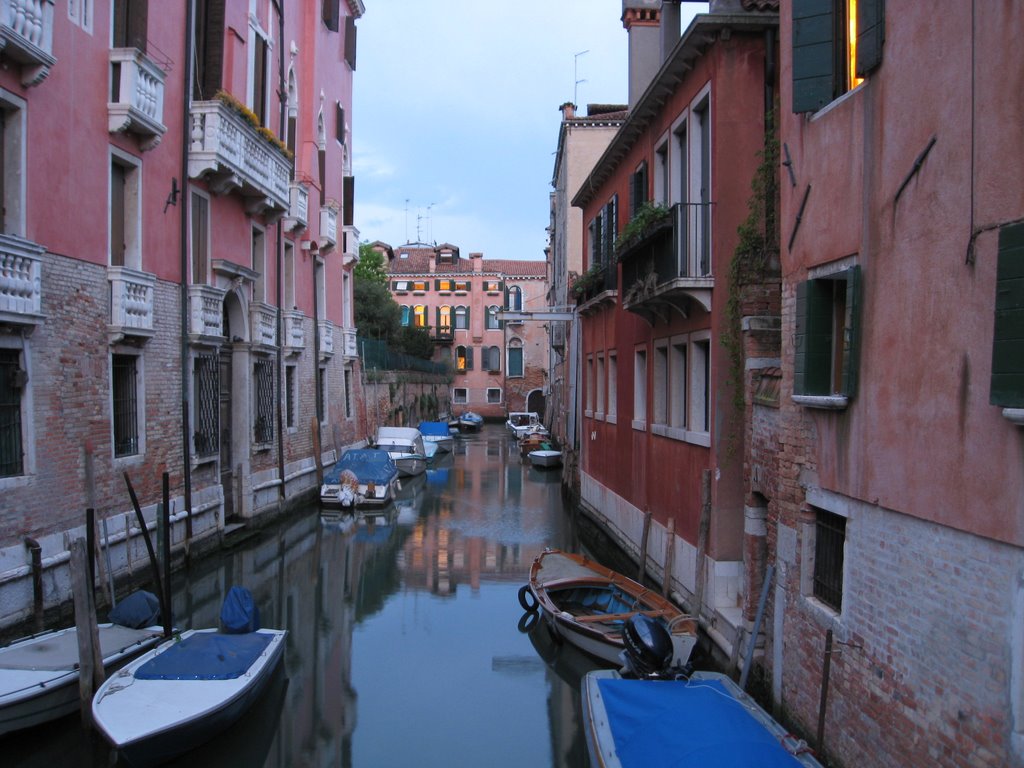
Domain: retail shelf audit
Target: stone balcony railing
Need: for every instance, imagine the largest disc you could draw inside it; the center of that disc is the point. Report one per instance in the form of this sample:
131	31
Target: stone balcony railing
21	275
351	345
328	226
131	303
137	98
26	37
326	338
205	311
297	217
294	331
350	244
263	324
235	157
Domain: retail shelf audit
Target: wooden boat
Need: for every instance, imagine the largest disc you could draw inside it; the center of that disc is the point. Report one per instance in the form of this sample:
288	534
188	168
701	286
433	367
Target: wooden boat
545	458
188	689
405	446
39	674
704	720
362	477
588	605
439	433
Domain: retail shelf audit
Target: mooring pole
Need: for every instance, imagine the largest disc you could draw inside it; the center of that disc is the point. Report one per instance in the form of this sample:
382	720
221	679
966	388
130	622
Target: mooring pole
157	583
643	546
90	659
819	746
167	553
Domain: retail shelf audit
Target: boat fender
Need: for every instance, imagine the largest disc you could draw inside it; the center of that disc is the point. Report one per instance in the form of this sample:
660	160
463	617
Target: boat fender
528	621
527	599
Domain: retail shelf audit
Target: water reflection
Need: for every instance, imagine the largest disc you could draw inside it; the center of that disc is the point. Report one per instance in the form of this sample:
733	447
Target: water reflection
403	645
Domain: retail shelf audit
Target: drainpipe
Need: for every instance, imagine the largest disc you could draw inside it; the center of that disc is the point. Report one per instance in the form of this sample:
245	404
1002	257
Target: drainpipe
281	89
36	553
185	402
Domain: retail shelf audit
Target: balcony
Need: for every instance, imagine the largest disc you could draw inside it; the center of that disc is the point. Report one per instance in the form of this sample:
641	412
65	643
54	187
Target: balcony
21	275
298	207
205	313
664	271
351	244
235	157
26	37
137	96
294	331
263	324
442	335
131	304
351	345
596	288
328	226
326	328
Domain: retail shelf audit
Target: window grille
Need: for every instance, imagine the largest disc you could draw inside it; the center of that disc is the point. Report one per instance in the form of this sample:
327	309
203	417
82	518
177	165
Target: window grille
10	414
829	543
289	390
348	393
125	405
207	397
263	374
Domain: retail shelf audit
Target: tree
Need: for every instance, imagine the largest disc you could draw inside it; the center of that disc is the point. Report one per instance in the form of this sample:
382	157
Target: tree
378	315
415	342
371	265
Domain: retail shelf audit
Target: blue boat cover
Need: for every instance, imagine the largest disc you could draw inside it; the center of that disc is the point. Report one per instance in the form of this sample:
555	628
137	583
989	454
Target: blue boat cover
140	609
434	428
206	656
239	613
696	723
368	464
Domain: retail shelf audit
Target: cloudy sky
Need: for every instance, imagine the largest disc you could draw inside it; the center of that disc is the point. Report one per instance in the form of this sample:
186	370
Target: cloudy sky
455	115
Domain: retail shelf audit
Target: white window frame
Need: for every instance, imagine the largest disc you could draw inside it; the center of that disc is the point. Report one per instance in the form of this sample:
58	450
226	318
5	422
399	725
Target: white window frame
699	388
14	148
640	388
80	13
256	30
139	457
660	388
600	406
132	208
662	171
611	412
491	397
456	399
28	466
695	233
678	355
259	263
588	410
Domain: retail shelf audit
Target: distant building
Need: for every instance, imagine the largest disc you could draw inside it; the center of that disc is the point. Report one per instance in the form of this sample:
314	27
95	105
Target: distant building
498	365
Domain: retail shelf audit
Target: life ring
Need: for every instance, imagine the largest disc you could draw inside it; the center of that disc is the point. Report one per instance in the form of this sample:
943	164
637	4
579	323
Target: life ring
528	621
529	603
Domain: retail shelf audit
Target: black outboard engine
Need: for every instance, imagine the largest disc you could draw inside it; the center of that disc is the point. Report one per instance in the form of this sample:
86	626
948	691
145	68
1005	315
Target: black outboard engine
648	651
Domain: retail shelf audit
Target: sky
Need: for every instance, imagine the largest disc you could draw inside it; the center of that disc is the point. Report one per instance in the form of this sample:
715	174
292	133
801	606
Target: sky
456	114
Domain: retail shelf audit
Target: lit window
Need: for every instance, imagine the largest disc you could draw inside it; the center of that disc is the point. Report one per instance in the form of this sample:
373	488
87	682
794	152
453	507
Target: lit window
515	358
421	316
444	319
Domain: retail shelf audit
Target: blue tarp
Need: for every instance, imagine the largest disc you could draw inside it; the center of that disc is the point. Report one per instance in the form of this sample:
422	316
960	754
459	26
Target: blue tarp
140	609
206	656
368	464
696	723
239	613
434	428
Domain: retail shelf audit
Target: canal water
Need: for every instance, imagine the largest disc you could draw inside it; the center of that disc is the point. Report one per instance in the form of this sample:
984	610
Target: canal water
407	644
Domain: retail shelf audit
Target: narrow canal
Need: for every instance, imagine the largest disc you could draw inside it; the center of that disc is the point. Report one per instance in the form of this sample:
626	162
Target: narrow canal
406	645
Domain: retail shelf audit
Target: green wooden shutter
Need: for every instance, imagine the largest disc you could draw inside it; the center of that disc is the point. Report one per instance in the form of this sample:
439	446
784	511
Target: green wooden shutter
1007	384
851	340
469	358
813	341
813	80
870	35
800	342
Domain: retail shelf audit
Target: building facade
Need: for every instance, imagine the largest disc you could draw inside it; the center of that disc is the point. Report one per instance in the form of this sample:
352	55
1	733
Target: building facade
498	366
176	256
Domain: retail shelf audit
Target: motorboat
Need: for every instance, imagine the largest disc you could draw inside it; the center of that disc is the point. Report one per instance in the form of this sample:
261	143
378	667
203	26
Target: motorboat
518	422
362	477
545	458
405	446
470	421
439	433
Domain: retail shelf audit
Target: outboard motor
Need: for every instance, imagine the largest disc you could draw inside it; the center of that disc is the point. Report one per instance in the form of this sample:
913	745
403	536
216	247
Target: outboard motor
648	650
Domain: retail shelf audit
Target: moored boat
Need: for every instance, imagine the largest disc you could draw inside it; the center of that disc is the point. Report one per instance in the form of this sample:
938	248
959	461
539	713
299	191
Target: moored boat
470	421
518	422
405	446
588	605
439	433
546	458
362	477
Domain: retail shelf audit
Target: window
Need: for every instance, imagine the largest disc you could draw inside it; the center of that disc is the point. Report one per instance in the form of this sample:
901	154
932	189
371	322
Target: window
638	188
461	319
80	13
589	385
700	379
609	230
836	43
289	276
677	383
263	376
661	384
403	254
331	14
350	42
491	359
515	358
321	393
493	323
206	390
125	209
461	285
259	265
492	286
12	388
613	386
514	301
348	392
640	389
129	24
460	395
444	285
209	37
600	376
401	286
406	314
825	364
259	70
289	396
200	226
125	404
419	285
463	359
700	188
320	285
1006	387
493	395
420	315
444	319
661	174
12	158
829	545
596	230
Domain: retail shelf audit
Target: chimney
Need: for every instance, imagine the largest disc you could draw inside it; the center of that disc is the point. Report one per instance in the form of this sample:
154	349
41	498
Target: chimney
640	18
568	110
478	261
669	27
726	6
433	261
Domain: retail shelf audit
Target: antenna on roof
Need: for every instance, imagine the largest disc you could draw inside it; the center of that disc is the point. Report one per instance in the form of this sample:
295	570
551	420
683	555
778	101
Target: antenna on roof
576	84
407	219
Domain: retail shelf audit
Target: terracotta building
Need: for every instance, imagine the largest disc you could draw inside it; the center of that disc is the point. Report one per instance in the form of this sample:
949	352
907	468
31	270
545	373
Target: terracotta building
498	366
175	268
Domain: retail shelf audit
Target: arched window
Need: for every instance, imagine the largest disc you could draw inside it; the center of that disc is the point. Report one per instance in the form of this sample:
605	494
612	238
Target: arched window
405	315
461	319
514	366
492	318
515	298
493	359
421	316
463	359
444	319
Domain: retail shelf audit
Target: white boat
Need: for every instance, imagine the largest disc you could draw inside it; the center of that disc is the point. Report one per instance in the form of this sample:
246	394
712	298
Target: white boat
39	674
405	446
546	458
518	422
470	421
362	477
439	433
189	688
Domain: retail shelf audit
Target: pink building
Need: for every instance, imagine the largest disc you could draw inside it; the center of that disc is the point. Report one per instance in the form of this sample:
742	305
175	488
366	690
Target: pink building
175	259
498	365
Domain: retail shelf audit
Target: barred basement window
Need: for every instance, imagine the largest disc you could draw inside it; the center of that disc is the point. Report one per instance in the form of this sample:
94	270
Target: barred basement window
321	393
11	376
125	404
348	393
206	389
289	396
263	375
829	543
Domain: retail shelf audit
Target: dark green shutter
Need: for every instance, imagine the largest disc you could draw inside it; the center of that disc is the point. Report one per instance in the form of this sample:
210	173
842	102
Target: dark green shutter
350	42
851	342
800	342
1007	385
870	35
813	55
332	14
812	364
469	358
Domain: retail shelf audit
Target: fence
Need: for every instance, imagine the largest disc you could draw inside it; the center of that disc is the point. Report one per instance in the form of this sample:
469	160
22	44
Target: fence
375	354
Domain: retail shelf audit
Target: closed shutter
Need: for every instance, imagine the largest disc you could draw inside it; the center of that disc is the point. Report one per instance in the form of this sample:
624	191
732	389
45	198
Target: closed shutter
350	42
1007	385
813	54
870	35
813	342
469	358
349	212
851	342
332	14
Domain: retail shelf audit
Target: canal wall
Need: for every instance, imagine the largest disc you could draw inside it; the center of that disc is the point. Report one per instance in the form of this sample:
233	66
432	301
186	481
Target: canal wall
405	398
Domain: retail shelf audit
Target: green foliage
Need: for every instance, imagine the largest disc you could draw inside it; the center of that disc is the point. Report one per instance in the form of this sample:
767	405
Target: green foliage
414	341
378	315
371	265
587	282
646	216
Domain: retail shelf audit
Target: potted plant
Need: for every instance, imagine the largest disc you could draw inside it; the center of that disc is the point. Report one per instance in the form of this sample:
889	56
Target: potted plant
647	219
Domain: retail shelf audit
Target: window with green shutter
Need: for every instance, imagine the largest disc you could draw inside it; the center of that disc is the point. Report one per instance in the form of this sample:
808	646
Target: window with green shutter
827	335
1007	383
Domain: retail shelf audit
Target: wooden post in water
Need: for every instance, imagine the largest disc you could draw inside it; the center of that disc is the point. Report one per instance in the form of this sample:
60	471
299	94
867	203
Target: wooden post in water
702	539
166	522
157	583
316	453
670	557
643	546
90	658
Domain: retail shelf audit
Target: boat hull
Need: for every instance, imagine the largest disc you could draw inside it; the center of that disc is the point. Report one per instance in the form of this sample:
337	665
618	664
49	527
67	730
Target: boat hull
546	459
410	466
